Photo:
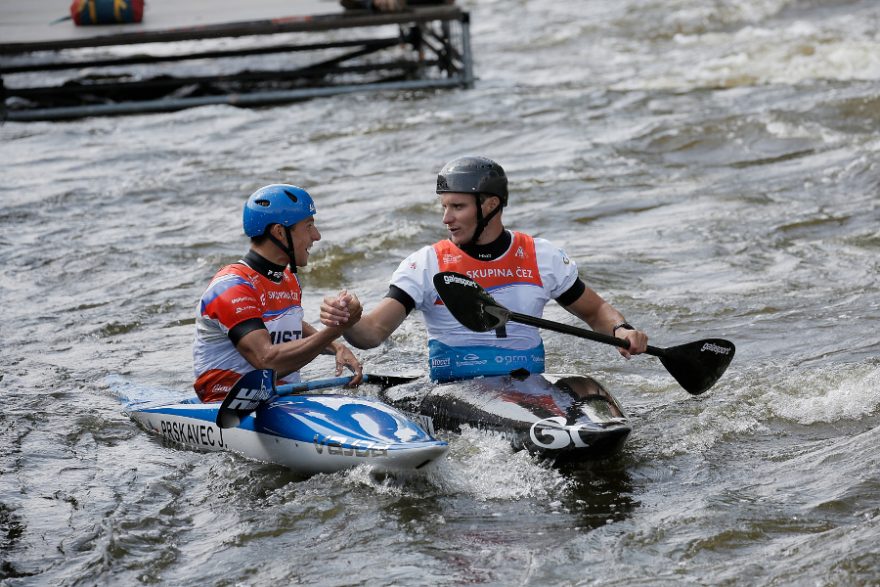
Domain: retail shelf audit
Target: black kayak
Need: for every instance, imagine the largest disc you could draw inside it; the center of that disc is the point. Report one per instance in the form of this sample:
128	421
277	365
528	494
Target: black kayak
564	418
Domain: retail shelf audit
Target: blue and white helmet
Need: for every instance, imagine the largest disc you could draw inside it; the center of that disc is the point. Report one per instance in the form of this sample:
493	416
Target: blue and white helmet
276	204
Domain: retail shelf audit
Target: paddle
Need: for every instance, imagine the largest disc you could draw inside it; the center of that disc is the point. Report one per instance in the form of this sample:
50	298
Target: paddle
257	387
695	365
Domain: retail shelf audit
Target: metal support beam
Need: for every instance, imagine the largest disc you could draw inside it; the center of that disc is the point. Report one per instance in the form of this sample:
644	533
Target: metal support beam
432	50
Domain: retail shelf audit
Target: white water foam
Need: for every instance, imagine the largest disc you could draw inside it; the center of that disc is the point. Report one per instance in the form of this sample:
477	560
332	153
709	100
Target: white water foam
131	394
791	54
841	392
485	466
744	405
481	465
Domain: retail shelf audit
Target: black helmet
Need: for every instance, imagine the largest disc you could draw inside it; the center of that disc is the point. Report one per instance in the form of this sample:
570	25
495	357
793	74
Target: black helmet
473	175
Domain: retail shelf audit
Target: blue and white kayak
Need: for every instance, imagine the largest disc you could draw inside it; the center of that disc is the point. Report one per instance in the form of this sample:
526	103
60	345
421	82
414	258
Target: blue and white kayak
309	434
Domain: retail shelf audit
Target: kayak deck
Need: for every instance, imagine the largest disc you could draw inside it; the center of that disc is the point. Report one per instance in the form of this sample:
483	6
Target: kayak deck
564	418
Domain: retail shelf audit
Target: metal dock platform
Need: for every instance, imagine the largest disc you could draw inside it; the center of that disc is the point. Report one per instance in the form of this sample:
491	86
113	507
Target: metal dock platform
189	53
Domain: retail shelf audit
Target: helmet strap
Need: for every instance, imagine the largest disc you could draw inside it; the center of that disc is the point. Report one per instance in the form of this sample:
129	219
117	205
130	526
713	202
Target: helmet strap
482	222
287	248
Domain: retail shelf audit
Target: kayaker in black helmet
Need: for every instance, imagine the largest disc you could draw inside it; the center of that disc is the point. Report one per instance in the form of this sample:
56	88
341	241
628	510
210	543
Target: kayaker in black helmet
250	316
481	177
523	273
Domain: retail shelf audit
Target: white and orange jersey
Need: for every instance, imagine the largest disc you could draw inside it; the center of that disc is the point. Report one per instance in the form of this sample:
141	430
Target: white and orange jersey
237	294
528	275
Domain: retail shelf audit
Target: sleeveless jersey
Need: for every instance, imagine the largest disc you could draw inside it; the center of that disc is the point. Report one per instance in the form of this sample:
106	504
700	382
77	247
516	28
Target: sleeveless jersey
238	293
528	275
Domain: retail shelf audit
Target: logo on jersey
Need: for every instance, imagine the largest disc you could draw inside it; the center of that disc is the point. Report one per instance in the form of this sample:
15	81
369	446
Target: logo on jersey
520	253
517	272
470	360
291	296
449	259
285	336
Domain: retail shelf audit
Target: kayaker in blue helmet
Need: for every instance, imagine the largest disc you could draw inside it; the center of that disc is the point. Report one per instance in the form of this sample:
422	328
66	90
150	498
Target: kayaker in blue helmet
250	316
523	273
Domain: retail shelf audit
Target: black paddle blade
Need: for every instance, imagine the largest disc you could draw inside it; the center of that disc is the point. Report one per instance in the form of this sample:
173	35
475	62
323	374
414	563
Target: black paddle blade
698	365
469	303
246	395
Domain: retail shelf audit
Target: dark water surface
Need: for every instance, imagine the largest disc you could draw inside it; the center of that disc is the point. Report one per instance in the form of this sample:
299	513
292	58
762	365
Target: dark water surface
712	167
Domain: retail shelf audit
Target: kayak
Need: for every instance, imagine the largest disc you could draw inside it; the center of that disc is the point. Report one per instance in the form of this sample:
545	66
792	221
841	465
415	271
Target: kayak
563	418
559	417
309	434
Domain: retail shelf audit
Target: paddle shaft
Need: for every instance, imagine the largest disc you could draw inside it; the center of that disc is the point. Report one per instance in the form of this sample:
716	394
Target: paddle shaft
385	380
695	365
581	332
291	388
256	388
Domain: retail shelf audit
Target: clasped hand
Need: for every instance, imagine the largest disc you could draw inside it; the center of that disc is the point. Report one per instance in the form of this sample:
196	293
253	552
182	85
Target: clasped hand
342	310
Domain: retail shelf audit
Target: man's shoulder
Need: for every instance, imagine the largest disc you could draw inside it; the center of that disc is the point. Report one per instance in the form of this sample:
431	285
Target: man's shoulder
524	235
237	268
542	244
423	252
231	276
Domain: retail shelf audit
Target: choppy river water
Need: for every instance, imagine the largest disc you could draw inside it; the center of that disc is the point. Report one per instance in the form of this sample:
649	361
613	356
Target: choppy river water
713	167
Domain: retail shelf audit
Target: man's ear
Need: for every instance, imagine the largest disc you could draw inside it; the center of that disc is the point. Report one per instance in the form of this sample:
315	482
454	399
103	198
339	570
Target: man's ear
279	233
